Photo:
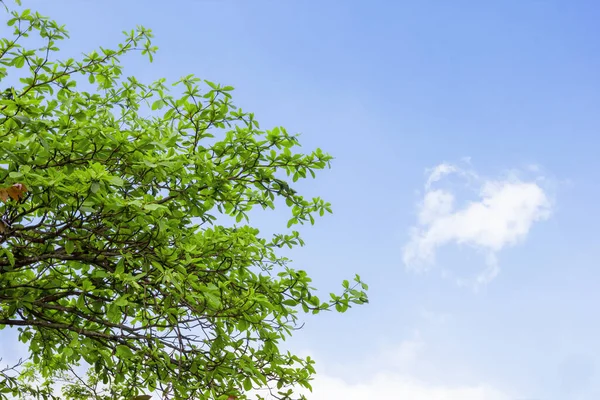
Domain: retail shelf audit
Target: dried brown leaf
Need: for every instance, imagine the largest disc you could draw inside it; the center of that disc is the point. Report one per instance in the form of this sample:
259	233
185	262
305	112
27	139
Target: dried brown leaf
15	192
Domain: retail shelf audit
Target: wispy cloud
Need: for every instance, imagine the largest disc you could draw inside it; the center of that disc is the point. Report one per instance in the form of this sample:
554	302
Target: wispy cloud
501	215
394	386
394	377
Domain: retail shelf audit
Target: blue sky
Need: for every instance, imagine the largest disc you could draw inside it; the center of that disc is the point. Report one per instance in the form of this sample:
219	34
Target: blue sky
502	94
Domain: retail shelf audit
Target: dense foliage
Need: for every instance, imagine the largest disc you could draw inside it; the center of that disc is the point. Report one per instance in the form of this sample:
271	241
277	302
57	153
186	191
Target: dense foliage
125	244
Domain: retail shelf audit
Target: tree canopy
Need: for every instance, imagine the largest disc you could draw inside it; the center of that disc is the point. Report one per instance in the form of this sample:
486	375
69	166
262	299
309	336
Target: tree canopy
126	244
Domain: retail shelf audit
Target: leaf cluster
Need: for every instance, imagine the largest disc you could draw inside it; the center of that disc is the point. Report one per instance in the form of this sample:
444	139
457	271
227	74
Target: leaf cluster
113	253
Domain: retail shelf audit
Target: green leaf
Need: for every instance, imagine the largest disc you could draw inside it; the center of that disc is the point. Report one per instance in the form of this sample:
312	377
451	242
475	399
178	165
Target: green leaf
19	62
80	116
292	221
10	256
153	207
115	181
121	302
23	119
69	247
124	352
158	104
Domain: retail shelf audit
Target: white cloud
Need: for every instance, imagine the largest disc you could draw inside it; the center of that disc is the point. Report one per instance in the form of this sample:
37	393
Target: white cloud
500	216
392	375
392	386
439	172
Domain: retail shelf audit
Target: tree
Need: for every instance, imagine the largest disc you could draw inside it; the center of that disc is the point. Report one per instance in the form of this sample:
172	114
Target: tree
125	238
